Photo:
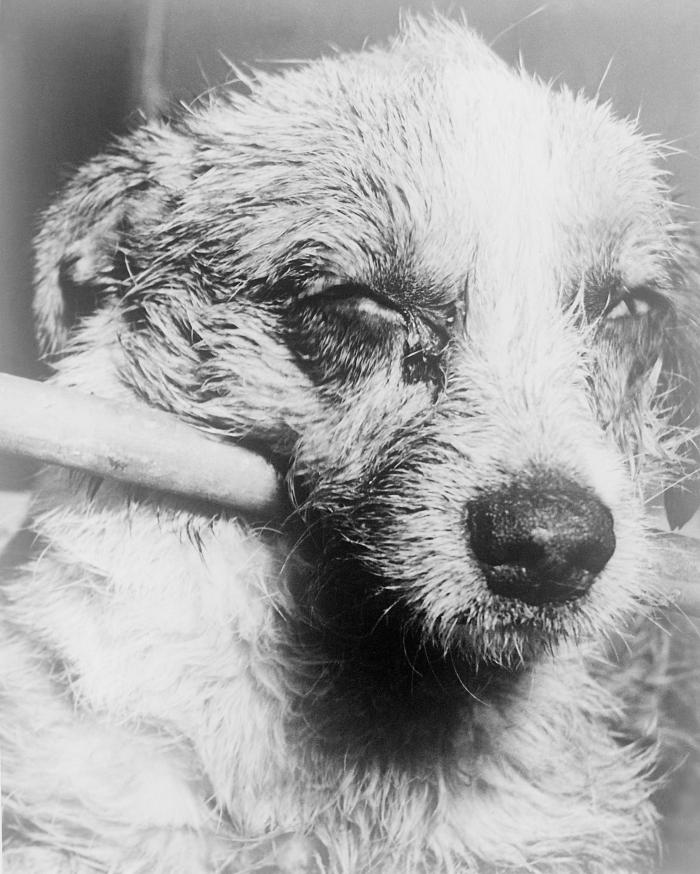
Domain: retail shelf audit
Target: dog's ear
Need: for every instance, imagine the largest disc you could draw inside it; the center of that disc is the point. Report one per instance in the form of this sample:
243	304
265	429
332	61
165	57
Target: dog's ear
680	393
80	256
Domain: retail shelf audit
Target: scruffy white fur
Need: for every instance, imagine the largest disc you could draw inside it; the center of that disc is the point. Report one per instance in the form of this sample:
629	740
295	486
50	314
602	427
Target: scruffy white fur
167	706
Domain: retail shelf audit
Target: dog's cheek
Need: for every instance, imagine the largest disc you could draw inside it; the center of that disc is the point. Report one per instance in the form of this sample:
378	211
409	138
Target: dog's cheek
679	396
349	441
222	365
355	361
250	378
642	387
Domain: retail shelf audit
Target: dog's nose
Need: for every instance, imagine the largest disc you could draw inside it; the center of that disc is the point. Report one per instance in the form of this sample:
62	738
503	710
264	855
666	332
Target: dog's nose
541	541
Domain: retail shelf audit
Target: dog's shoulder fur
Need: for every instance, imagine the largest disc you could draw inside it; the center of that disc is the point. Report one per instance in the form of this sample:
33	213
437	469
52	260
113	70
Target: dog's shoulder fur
184	689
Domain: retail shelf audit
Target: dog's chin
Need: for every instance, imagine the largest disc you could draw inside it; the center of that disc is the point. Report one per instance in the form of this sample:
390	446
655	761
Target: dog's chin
496	630
394	685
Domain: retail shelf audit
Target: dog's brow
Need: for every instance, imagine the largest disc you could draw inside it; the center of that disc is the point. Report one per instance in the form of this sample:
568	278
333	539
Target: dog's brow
413	287
406	289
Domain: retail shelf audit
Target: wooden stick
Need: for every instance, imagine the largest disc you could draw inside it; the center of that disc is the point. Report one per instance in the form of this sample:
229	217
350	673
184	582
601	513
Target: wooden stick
132	443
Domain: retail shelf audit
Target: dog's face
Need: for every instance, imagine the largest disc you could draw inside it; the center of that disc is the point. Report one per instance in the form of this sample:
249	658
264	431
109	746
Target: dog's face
454	304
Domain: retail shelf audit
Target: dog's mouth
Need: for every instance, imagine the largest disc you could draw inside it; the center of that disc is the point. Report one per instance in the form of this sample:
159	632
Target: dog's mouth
539	541
379	624
395	677
419	603
389	693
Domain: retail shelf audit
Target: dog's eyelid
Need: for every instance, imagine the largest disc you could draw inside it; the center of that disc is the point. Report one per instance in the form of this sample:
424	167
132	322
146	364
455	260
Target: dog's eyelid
648	294
322	284
339	289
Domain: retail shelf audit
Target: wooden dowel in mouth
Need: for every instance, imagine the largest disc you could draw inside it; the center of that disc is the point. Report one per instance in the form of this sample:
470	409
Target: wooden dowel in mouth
135	444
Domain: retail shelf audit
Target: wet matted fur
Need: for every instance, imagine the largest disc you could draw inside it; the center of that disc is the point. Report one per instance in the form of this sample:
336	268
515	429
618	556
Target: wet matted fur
456	307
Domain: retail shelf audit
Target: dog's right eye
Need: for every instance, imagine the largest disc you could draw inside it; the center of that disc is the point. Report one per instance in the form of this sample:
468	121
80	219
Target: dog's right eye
344	332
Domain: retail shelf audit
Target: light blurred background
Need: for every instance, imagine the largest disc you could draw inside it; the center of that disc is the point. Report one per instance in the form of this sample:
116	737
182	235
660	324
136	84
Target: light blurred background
75	72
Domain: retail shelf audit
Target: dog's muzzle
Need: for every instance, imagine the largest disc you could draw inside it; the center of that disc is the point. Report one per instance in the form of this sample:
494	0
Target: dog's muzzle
540	540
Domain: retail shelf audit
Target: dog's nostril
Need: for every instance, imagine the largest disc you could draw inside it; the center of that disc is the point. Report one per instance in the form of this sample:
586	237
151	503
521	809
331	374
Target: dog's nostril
542	540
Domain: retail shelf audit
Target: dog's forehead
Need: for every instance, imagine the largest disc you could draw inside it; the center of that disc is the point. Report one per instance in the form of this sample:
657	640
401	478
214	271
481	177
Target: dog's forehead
449	164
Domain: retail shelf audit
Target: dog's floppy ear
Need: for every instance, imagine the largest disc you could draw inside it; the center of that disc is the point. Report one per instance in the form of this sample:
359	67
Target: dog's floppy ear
79	252
680	392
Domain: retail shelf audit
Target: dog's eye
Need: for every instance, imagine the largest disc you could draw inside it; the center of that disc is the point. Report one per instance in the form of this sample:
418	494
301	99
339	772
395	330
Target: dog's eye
425	333
635	302
346	330
352	300
633	331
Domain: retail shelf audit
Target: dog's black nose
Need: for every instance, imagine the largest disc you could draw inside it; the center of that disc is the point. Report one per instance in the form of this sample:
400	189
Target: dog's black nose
543	540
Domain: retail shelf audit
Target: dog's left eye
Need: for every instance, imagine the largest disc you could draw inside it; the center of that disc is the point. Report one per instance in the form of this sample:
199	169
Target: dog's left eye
635	302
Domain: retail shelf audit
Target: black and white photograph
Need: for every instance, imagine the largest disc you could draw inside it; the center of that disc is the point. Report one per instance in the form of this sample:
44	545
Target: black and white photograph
350	436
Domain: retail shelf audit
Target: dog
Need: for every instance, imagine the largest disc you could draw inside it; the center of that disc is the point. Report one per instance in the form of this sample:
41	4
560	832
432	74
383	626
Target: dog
457	308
